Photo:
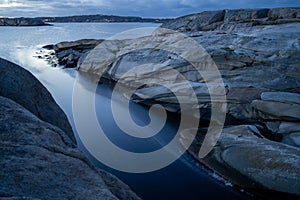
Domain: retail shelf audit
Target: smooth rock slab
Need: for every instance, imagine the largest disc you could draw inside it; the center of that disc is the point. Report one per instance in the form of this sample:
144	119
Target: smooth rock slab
21	86
274	165
277	110
284	97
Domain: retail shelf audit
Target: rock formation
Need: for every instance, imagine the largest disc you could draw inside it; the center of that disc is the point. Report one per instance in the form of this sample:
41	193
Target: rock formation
39	158
68	53
257	53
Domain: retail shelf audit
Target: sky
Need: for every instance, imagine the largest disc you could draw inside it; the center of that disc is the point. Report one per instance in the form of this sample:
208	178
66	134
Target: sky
143	8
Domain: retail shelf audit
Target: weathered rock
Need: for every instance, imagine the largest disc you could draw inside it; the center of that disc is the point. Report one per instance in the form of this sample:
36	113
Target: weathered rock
68	53
283	128
256	160
39	161
278	106
284	97
273	165
292	139
247	68
233	19
22	87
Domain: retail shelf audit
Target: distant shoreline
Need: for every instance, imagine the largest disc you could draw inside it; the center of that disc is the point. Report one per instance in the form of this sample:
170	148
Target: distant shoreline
44	21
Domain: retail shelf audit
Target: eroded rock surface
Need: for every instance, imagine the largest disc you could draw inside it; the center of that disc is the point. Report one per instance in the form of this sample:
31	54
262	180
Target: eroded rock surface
37	159
19	85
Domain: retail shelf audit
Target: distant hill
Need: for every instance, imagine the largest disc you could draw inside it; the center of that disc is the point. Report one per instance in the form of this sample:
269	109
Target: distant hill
22	22
100	18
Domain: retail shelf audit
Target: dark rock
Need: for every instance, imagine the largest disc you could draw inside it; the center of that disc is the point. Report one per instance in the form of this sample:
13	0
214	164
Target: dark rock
68	53
39	161
19	85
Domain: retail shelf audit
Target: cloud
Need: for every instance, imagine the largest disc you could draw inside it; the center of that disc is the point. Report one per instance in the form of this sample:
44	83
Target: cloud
145	8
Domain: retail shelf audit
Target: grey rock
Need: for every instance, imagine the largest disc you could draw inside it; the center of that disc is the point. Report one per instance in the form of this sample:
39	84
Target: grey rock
251	62
274	165
233	19
22	87
278	105
292	139
248	159
284	97
39	161
276	110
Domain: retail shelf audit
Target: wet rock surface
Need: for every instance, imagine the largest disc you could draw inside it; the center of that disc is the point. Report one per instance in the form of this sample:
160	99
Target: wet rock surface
39	160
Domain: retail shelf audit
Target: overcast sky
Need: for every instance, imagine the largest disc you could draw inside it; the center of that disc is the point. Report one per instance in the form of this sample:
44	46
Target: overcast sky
144	8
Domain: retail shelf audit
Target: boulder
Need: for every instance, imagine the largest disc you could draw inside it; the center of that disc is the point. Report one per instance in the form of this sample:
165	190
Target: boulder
254	161
39	161
22	87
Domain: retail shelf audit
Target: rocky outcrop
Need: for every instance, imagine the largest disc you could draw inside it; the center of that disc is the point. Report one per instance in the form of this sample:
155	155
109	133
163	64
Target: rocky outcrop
233	19
242	153
67	54
20	86
257	54
22	22
39	160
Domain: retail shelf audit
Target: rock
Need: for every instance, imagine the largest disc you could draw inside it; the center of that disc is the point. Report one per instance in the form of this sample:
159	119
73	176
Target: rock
22	87
68	53
292	139
283	127
284	97
84	44
284	13
39	161
280	106
257	161
273	165
246	72
233	19
22	22
195	22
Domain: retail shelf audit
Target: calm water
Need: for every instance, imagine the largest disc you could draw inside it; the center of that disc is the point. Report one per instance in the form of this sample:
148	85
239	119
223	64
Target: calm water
184	179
